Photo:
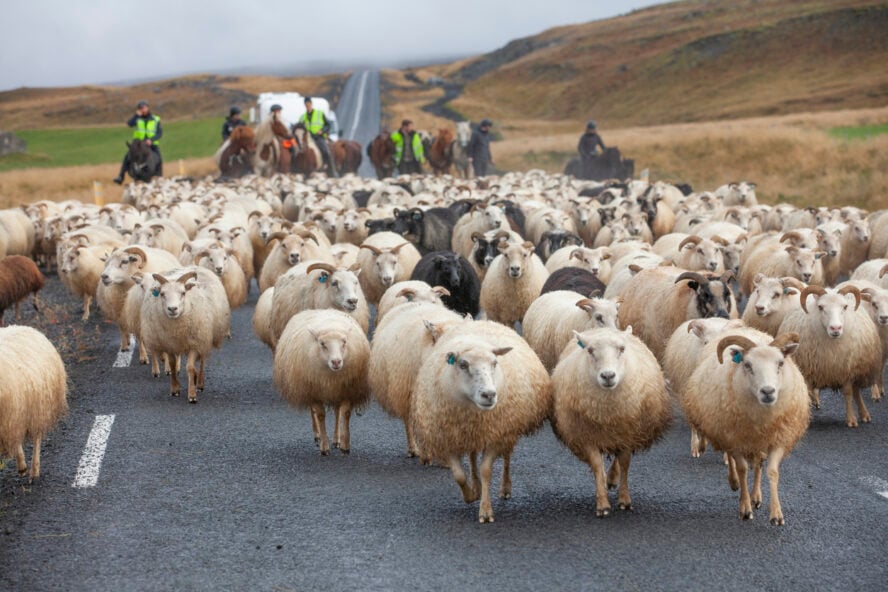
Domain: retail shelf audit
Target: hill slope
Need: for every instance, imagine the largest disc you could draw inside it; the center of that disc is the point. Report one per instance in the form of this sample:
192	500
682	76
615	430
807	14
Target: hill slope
687	61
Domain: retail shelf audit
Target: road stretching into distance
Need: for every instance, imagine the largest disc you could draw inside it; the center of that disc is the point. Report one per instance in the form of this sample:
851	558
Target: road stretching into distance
142	491
359	112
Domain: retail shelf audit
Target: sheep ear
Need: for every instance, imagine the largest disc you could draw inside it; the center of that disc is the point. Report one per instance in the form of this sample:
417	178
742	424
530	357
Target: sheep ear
159	278
501	351
628	330
789	348
137	278
697	328
434	330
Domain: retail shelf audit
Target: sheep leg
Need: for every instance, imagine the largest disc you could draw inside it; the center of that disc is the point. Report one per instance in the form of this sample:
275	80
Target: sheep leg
201	375
745	501
344	417
773	482
314	428
473	475
168	365
485	513
459	475
20	462
35	460
320	414
155	364
613	474
191	366
757	483
506	479
624	501
174	375
36	303
698	444
87	302
733	479
861	406
850	415
602	505
814	393
124	341
143	353
411	439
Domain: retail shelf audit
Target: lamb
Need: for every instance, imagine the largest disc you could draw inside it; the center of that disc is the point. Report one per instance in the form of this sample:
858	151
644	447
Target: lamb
771	300
478	391
592	260
876	299
840	348
33	393
320	361
406	292
455	274
399	347
186	314
693	252
19	277
679	296
753	408
290	250
220	260
315	285
552	318
609	398
575	280
514	281
429	230
385	258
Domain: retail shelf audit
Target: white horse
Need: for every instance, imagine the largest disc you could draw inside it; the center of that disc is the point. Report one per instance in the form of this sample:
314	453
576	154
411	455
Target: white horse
461	149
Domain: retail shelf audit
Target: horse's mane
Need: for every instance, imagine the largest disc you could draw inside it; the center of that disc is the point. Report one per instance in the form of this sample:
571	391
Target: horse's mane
445	135
264	133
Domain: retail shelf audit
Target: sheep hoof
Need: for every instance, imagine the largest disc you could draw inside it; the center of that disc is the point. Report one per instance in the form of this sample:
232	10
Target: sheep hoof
851	423
325	452
757	503
144	362
156	375
506	495
335	444
484	518
345	450
22	472
193	401
602	512
168	373
611	486
777	521
626	507
411	454
746	515
865	418
174	394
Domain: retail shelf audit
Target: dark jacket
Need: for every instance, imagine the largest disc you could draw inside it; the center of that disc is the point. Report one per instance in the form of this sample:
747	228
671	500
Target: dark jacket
589	143
228	126
132	123
479	146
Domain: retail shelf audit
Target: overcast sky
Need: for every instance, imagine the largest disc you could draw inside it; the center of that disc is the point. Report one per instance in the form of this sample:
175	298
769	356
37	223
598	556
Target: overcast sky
71	42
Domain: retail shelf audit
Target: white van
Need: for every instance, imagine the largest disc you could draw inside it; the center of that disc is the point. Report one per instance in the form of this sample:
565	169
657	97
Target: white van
293	108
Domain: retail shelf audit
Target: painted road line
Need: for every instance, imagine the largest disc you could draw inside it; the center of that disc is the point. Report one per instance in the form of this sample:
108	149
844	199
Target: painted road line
124	359
91	461
880	485
359	106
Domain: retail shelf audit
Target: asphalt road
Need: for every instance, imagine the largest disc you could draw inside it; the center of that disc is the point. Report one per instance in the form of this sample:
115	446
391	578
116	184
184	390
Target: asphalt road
359	111
232	494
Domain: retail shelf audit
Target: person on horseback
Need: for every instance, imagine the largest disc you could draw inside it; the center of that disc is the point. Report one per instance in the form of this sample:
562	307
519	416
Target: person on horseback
409	154
590	141
147	128
318	126
231	122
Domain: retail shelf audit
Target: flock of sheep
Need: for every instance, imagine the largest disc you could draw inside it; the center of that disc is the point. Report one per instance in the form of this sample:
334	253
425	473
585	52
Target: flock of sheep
626	294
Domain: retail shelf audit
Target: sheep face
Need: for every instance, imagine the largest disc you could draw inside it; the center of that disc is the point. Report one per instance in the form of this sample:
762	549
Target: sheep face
120	266
173	293
408	223
635	223
476	374
264	226
769	294
591	259
832	310
603	312
740	217
486	249
877	301
494	218
713	296
326	219
732	254
830	243
331	348
760	371
803	262
703	255
382	225
583	213
556	220
345	289
143	235
293	249
554	240
860	230
447	270
352	220
71	261
744	191
605	355
517	257
215	259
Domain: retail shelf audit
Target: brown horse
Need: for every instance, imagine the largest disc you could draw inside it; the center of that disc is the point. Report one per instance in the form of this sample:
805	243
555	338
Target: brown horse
308	155
236	159
347	156
441	152
382	152
271	156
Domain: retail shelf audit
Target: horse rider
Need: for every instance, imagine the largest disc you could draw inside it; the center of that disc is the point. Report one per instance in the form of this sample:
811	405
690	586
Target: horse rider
232	122
589	144
409	154
147	128
288	143
318	126
479	148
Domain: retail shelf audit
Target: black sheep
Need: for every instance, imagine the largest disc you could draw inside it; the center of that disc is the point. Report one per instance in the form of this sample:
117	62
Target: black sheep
447	269
361	196
429	230
576	279
462	206
553	240
380	225
513	213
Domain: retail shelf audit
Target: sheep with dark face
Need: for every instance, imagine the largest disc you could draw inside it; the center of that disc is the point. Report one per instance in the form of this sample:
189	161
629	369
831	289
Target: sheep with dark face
429	230
453	272
379	225
553	240
485	248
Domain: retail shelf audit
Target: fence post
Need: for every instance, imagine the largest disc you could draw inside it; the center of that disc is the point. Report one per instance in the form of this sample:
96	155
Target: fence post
98	196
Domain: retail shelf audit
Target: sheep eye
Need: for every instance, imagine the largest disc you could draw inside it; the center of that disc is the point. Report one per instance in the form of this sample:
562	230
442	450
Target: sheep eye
323	345
463	365
599	318
776	294
820	307
335	284
748	367
780	364
622	349
845	307
700	251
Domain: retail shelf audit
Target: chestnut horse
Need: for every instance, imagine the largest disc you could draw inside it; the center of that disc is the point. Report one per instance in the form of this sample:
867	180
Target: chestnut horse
236	159
382	153
308	156
271	156
347	156
441	152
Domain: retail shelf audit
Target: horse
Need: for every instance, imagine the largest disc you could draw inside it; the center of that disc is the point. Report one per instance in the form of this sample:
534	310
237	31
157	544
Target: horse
270	156
236	158
144	163
441	152
308	156
347	156
461	149
382	152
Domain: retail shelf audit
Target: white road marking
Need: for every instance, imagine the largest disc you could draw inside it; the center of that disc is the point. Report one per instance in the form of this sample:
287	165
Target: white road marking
124	359
880	485
91	461
354	126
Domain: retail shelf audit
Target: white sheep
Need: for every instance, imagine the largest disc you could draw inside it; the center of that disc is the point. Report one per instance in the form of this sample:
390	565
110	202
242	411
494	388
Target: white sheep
351	227
478	391
220	260
692	252
513	281
609	397
800	263
750	402
33	393
160	234
406	292
320	361
262	318
290	250
737	194
595	261
771	300
80	269
384	259
480	219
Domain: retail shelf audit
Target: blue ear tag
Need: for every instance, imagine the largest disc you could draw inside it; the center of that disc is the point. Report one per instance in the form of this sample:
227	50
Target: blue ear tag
409	298
786	290
737	357
581	344
323	278
155	292
451	359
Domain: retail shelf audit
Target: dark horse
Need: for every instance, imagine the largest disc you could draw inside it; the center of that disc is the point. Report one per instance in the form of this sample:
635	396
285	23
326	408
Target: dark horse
236	159
144	163
347	155
381	152
609	165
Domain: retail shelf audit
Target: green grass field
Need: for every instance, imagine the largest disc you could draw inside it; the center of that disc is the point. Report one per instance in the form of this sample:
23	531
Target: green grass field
861	132
97	145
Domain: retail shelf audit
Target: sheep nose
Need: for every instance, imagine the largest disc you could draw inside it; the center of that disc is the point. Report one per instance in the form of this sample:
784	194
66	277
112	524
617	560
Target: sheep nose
835	328
806	277
883	320
352	302
713	265
294	259
336	364
514	270
595	271
497	224
833	253
759	309
264	235
172	309
608	375
219	270
767	394
489	396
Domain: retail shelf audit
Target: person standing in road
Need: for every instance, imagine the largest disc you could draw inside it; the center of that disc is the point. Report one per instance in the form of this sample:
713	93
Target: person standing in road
318	126
147	128
231	122
589	144
409	154
479	149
